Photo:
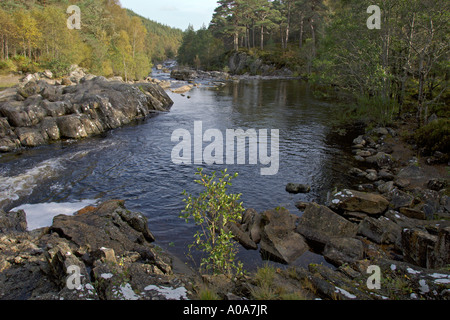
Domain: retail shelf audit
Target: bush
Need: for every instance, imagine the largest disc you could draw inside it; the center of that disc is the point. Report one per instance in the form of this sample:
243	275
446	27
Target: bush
212	210
435	136
25	64
7	66
58	67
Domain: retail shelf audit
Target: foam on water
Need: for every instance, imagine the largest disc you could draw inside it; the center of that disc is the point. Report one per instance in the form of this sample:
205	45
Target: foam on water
23	184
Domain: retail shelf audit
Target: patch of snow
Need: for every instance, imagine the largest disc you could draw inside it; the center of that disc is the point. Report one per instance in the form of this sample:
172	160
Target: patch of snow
128	293
106	275
442	281
335	201
424	287
345	293
440	275
169	293
412	271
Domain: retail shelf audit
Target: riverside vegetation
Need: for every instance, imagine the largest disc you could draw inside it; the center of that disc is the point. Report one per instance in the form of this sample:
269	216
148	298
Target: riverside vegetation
112	41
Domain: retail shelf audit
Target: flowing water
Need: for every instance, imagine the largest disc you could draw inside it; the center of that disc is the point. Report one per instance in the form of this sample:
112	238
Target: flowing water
134	162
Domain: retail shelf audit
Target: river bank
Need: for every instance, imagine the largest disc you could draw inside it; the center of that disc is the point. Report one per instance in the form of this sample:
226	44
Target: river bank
396	219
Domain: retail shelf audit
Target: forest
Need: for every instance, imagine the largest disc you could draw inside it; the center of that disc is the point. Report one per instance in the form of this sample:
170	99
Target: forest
403	66
111	41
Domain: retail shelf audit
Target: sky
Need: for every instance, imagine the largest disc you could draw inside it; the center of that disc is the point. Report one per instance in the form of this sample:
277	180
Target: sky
174	13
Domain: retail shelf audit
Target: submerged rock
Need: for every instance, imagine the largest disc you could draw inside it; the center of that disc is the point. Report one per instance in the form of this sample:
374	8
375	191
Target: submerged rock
297	188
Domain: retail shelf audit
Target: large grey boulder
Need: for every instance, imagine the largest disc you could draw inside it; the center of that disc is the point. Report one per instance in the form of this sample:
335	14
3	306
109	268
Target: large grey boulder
110	225
320	225
350	200
279	240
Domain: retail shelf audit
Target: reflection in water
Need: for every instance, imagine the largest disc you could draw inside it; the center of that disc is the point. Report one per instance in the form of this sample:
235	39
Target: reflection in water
134	162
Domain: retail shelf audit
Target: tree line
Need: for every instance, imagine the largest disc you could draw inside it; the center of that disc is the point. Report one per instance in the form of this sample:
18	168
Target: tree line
402	65
111	41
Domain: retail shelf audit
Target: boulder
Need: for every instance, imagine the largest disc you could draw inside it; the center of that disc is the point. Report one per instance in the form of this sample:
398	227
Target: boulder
413	213
381	159
381	230
30	137
339	251
182	89
241	236
5	128
110	225
441	254
297	188
70	127
279	241
350	200
252	224
13	222
400	199
184	75
319	225
418	247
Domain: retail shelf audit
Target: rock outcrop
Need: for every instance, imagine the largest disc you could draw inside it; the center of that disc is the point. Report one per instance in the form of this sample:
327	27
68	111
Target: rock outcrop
39	112
101	253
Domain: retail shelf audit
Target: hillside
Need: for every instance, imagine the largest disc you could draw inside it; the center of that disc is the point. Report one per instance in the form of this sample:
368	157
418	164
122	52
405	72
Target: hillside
111	41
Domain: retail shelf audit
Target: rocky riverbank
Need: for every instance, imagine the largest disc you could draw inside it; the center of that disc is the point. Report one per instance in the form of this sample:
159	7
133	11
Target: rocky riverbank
397	219
110	246
43	110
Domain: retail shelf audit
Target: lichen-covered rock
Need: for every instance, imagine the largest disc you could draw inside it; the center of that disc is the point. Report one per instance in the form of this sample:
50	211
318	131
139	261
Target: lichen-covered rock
350	200
89	108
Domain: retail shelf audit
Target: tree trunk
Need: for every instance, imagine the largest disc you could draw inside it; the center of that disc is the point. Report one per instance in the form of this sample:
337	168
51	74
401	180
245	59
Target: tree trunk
236	41
313	36
421	91
301	32
253	37
406	66
288	25
29	49
262	37
3	47
6	49
125	69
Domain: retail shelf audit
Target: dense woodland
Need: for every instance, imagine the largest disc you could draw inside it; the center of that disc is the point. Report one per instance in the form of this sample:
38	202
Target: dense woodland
111	41
404	66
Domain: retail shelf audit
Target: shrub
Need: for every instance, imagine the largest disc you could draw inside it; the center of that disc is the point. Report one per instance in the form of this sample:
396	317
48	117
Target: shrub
58	67
435	136
7	66
25	64
212	210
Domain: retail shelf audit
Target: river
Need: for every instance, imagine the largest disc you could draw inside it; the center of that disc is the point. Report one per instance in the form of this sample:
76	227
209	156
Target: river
134	163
